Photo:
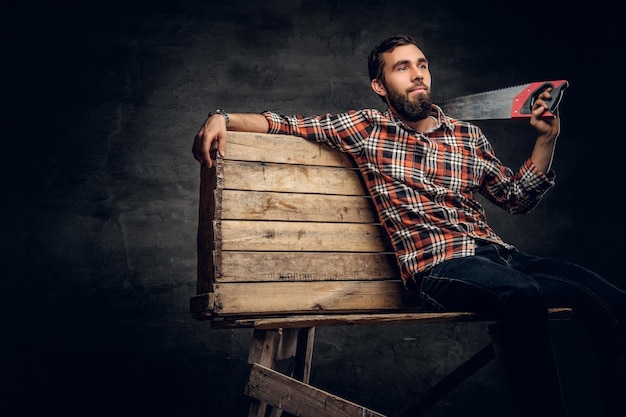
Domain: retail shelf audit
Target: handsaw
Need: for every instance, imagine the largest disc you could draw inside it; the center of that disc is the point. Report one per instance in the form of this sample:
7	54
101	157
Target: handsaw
505	103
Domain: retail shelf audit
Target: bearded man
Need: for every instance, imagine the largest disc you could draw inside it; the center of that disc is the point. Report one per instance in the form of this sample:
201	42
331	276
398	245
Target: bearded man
422	169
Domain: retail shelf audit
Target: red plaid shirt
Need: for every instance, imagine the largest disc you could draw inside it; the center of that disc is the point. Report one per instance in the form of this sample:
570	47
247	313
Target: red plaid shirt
423	185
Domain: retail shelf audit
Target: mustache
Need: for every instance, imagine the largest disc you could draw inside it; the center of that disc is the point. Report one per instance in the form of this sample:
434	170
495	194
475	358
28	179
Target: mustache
419	84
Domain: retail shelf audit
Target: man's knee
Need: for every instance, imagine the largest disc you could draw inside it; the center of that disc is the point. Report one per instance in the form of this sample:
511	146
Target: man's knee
527	299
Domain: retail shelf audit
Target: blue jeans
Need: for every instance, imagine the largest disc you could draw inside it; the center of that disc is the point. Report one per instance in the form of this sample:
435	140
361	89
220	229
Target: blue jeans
517	289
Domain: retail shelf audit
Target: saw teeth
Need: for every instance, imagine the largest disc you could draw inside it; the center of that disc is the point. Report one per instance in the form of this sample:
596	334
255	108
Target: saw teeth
519	86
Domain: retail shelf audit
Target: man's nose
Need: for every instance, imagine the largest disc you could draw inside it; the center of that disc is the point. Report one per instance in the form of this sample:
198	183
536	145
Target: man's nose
417	74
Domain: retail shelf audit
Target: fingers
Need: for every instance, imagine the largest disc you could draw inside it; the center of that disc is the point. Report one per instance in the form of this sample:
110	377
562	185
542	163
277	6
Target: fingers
195	153
201	150
198	151
541	109
542	98
546	123
210	137
221	145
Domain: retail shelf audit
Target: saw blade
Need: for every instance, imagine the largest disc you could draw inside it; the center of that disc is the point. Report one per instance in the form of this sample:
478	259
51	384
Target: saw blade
505	103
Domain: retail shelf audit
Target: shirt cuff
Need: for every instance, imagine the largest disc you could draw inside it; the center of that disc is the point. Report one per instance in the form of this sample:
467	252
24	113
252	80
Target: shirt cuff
536	178
274	122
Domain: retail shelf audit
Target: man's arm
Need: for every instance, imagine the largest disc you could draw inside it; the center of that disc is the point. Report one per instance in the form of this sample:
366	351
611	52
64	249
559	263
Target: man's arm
212	134
547	131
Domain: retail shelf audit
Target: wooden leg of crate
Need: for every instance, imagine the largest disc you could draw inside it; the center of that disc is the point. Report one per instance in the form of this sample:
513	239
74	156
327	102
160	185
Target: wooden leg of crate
302	359
304	354
264	347
274	411
269	346
263	351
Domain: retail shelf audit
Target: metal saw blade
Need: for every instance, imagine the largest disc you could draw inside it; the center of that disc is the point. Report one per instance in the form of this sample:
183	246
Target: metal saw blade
504	103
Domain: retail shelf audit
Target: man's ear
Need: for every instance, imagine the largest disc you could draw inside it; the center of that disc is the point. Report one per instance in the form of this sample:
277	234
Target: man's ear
379	88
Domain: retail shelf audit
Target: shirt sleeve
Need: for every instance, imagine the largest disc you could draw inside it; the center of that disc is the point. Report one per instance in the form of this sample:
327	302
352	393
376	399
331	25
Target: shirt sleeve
535	178
518	192
345	132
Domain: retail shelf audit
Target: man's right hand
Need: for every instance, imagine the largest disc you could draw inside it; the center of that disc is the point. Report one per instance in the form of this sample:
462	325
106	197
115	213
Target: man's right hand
213	133
211	136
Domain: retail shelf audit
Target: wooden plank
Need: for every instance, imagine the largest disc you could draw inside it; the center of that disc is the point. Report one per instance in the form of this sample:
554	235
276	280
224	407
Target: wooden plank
288	346
258	176
287	149
304	354
263	351
262	298
273	236
201	303
263	205
287	321
205	239
264	346
319	320
306	266
298	398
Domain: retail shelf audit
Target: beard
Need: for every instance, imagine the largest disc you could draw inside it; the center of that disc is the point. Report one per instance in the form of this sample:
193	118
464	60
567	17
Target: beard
410	110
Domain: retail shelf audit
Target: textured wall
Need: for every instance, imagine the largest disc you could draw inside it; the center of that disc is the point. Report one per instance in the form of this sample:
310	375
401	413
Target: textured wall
103	99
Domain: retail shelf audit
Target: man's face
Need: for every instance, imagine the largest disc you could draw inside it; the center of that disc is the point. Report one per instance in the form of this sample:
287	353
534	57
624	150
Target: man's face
406	83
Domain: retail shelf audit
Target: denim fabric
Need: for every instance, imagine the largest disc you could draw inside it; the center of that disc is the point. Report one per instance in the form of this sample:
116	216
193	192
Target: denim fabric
517	289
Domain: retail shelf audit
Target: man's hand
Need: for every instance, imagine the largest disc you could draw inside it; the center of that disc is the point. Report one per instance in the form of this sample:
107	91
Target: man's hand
211	136
213	133
547	131
547	128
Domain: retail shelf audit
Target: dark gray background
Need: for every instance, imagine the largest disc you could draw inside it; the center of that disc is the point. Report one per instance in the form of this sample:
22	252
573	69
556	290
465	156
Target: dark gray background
101	103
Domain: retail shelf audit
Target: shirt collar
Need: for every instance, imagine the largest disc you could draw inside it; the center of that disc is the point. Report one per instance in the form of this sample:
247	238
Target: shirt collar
436	112
442	119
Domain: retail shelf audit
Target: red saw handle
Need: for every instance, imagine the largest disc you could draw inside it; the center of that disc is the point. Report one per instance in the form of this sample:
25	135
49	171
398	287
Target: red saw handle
523	102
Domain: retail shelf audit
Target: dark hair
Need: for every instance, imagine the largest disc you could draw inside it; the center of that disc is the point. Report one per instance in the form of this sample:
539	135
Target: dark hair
375	59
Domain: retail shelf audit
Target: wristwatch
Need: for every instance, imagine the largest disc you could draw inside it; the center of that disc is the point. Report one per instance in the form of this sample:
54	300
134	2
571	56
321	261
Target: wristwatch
223	113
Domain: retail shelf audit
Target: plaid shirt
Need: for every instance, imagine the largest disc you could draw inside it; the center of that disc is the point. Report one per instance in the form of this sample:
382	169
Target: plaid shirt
423	185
